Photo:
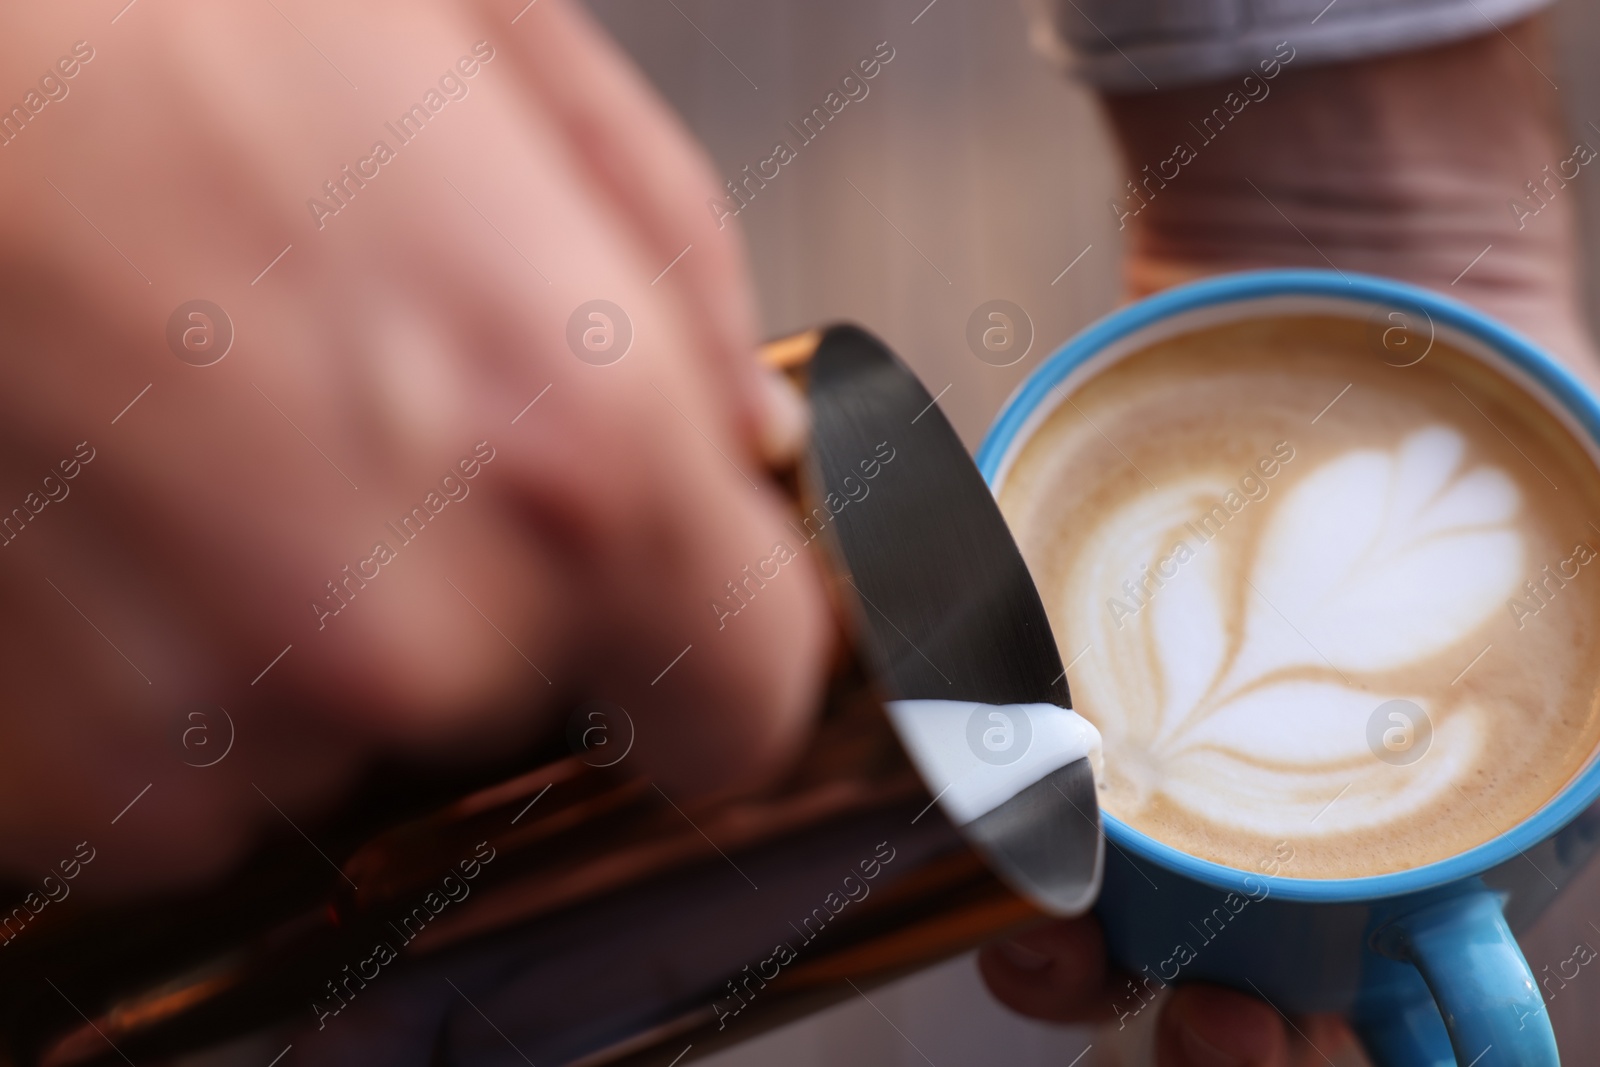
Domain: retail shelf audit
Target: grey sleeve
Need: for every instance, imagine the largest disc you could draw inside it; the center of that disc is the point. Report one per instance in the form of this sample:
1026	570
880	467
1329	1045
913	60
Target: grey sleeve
1141	45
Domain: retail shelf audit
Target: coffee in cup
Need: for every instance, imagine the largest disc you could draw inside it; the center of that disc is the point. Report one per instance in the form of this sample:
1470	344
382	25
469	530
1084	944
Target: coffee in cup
1316	590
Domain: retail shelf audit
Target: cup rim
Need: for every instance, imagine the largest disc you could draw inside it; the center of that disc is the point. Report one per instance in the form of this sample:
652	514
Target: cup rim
1562	386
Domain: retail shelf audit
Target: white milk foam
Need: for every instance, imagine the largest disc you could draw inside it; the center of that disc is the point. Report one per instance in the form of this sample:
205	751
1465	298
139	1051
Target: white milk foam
1381	558
936	734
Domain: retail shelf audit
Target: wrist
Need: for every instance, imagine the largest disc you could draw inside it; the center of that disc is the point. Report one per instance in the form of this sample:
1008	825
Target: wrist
1409	166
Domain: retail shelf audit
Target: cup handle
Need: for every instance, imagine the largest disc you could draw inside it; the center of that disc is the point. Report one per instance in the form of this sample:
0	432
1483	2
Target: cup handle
1484	989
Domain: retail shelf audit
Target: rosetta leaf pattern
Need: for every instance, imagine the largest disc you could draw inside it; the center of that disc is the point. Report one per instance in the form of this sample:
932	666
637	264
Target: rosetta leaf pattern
1374	561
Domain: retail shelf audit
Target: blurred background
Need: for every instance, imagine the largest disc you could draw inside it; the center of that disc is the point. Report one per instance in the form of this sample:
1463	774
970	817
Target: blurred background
971	171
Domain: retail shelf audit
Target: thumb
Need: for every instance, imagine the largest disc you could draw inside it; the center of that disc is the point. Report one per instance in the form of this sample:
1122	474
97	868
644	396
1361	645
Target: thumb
1208	1026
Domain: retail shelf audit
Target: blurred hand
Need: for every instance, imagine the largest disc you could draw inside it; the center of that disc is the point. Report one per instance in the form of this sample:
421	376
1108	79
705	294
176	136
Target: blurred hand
1058	973
392	348
1401	166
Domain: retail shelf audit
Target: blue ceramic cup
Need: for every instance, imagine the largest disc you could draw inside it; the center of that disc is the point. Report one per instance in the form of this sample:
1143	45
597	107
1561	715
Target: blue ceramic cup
1422	961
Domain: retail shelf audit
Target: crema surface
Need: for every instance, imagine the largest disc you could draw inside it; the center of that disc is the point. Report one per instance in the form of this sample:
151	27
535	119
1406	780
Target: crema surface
1370	630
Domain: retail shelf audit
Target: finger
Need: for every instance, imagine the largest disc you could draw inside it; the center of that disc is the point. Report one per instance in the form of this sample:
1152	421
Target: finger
638	150
1055	972
1322	1038
1208	1026
636	509
685	532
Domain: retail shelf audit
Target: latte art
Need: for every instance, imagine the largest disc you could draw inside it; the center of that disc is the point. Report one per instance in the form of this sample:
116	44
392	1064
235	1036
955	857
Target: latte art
1374	560
1206	526
1259	652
